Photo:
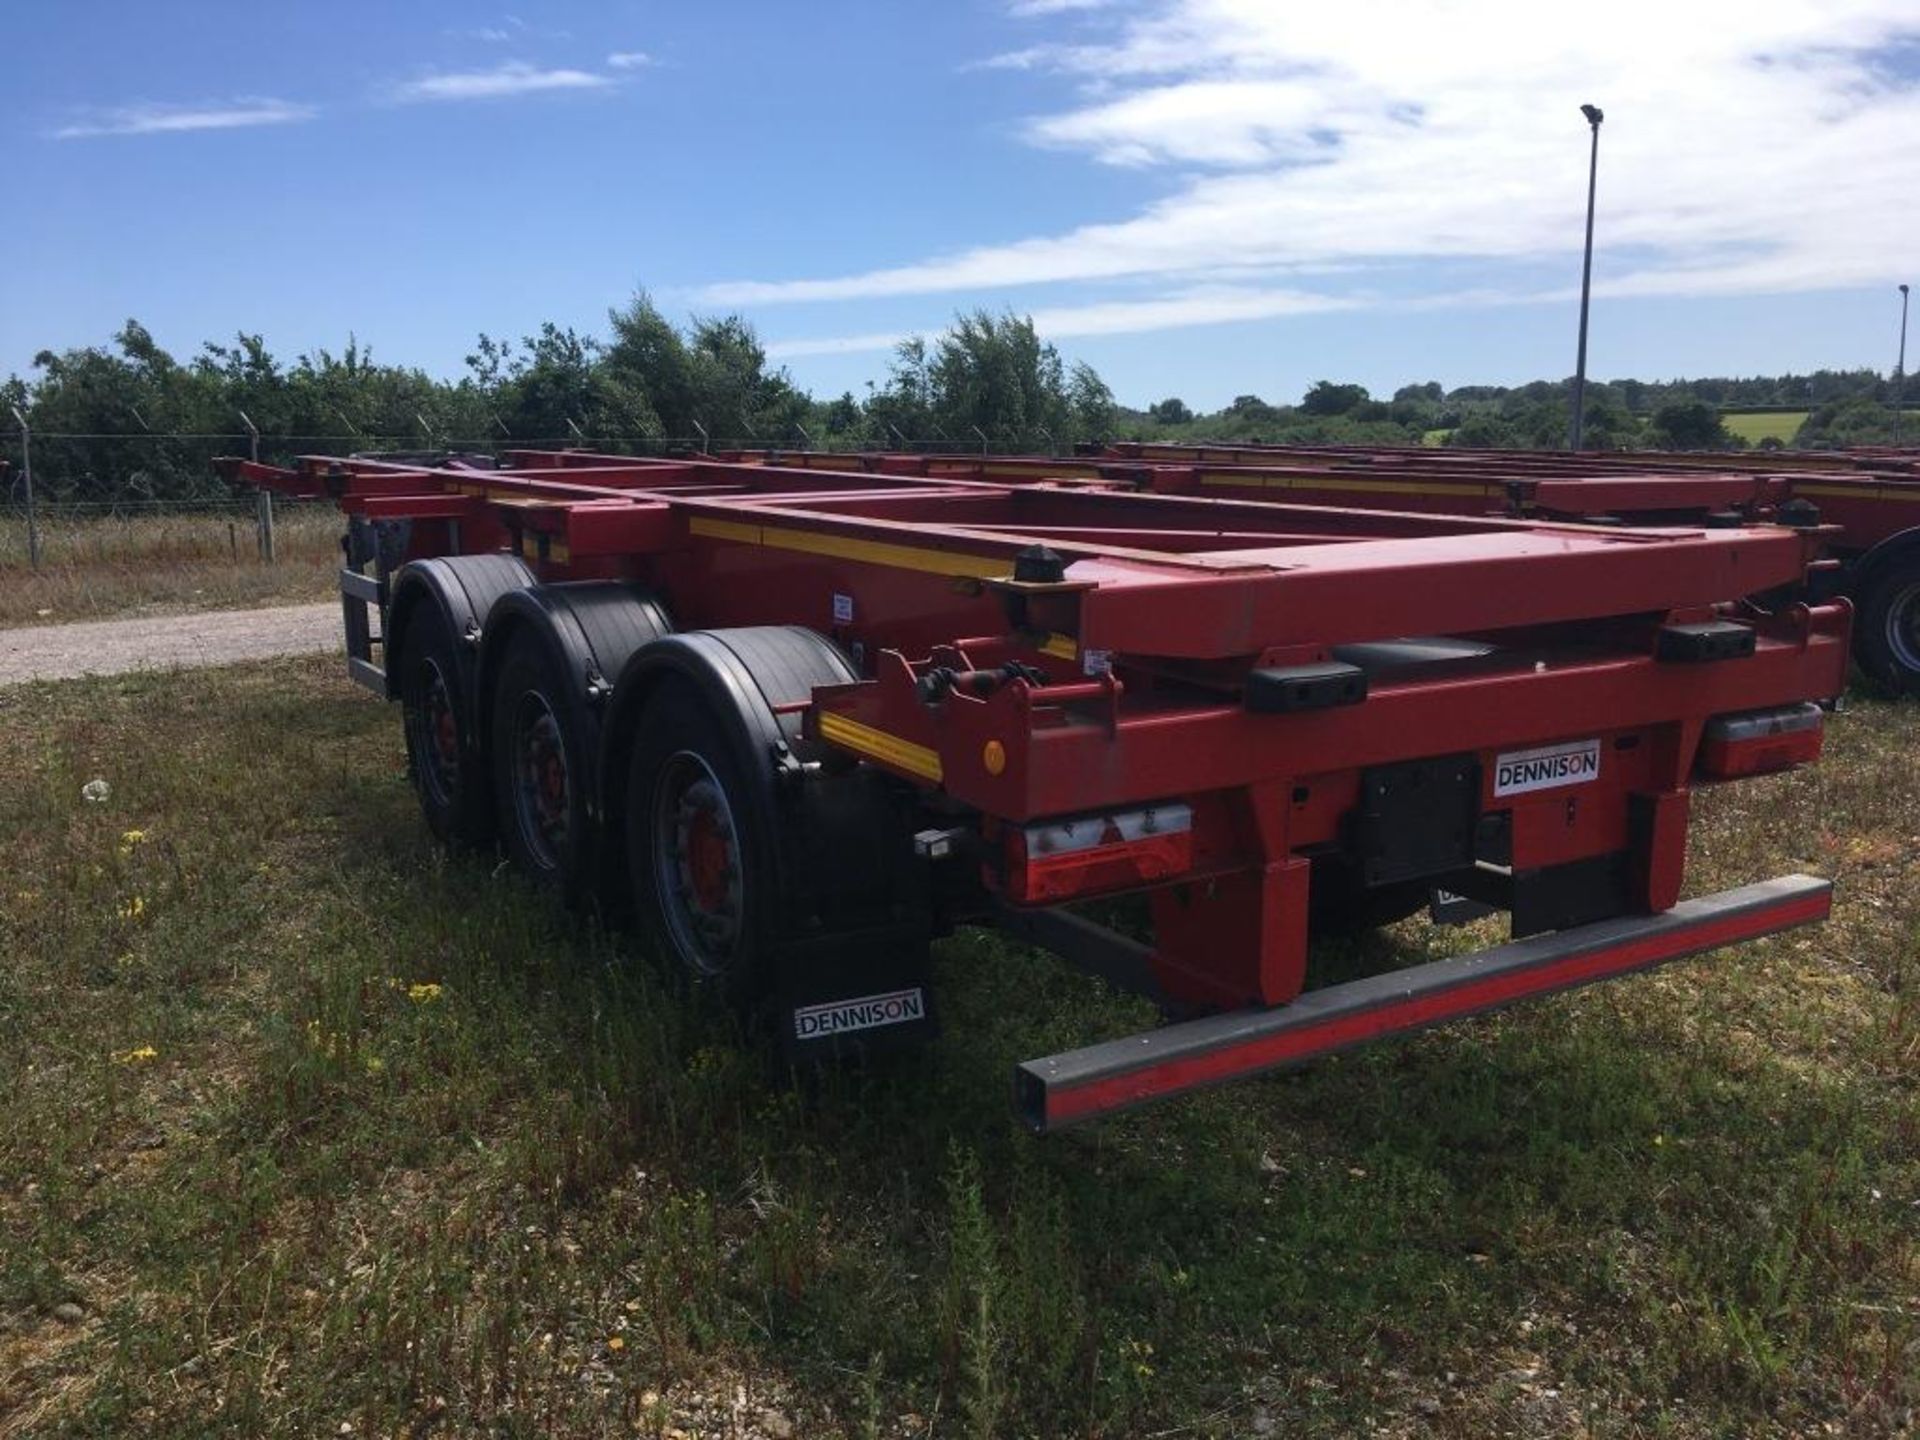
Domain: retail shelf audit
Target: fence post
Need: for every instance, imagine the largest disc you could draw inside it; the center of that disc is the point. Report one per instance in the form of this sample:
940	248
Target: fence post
577	434
263	499
706	445
26	473
983	437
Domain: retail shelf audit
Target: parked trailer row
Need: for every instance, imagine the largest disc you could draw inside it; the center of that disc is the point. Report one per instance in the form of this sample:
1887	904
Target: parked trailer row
1870	500
800	723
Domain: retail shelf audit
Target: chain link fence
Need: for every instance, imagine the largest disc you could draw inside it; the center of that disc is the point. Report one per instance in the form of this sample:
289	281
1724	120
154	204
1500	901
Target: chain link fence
84	484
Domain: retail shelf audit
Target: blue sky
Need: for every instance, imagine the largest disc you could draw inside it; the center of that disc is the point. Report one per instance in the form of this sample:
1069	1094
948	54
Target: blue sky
1200	197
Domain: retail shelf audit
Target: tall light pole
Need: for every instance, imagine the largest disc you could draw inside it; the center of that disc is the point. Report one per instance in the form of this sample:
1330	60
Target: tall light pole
1900	366
1594	117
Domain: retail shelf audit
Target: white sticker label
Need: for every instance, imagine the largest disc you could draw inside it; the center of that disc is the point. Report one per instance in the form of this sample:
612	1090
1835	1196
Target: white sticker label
843	609
816	1022
1096	662
1573	763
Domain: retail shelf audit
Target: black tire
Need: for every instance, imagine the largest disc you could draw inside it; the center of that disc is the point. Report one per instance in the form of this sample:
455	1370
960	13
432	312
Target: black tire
445	764
539	755
1887	637
700	846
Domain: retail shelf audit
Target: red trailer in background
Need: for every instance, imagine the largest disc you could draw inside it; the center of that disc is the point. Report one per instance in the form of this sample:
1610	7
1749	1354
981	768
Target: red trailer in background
1869	498
801	722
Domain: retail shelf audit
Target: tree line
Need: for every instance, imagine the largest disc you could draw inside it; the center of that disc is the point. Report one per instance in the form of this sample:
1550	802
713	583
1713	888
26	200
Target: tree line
107	419
1840	408
130	421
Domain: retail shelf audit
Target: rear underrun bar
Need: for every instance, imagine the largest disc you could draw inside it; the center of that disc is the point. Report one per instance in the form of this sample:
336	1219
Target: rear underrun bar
1057	1091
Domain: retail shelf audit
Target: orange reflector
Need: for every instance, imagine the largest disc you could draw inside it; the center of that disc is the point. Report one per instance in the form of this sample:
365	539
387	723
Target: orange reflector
1087	854
1759	742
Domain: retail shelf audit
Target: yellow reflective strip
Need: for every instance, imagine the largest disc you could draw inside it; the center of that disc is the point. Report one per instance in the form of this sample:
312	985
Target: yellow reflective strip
1310	482
891	749
1064	472
725	529
847	547
1859	490
1064	647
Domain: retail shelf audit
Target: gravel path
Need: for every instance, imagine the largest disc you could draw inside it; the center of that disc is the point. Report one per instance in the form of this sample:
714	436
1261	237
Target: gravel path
166	642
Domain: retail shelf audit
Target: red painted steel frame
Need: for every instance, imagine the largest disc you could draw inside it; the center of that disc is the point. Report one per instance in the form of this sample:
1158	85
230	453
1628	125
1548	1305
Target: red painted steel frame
1163	606
1865	498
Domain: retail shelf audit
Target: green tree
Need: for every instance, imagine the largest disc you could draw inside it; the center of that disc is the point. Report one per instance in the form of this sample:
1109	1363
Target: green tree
1690	425
1326	398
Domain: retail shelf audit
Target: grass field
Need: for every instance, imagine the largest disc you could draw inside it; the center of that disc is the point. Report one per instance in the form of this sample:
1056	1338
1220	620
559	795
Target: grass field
93	567
311	1130
1753	426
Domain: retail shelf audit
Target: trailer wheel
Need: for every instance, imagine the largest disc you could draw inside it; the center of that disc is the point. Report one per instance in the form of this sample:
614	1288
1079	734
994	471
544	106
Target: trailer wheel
539	761
699	844
447	772
1888	640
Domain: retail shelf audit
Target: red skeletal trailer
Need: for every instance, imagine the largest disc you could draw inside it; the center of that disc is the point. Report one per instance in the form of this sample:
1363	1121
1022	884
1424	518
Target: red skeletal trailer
1867	500
801	722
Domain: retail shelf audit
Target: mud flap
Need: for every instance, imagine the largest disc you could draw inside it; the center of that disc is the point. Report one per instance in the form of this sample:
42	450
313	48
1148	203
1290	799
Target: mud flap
845	995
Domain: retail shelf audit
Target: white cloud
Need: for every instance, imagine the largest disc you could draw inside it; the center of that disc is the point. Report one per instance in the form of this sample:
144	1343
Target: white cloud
1751	146
834	344
630	60
237	114
1200	305
1025	9
516	77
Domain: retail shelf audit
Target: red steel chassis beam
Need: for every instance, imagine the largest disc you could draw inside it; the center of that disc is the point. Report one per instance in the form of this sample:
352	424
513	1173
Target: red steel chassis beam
1865	499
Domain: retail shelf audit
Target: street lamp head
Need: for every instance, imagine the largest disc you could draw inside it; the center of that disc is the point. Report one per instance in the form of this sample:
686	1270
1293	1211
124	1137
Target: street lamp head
1903	289
1593	113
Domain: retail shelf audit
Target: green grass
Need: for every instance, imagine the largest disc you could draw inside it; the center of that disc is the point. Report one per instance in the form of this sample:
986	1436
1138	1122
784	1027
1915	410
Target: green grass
1757	425
95	567
292	1189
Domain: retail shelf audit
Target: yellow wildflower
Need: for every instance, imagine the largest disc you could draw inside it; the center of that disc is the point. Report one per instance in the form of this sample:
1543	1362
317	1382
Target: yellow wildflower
132	909
132	840
424	994
139	1055
616	1344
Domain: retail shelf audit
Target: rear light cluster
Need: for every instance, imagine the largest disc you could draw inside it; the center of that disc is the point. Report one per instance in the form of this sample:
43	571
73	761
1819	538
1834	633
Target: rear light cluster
1758	742
1086	854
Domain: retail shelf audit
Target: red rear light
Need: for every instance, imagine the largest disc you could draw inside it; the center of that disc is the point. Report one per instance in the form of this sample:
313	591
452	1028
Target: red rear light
1058	860
1759	742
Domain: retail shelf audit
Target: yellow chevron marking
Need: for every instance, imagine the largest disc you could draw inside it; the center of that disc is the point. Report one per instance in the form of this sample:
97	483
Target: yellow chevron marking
888	749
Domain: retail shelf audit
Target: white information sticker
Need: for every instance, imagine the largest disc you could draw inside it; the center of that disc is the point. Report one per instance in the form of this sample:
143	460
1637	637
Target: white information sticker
1574	762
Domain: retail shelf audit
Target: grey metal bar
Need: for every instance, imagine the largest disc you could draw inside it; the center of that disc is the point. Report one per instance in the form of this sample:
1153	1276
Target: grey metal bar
26	474
1078	1085
1123	963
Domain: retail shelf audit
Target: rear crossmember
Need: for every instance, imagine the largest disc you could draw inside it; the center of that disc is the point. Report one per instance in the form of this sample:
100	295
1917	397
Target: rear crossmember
1075	1086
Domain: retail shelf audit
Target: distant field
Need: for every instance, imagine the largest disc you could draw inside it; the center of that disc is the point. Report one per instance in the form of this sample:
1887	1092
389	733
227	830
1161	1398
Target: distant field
312	1130
1753	426
95	567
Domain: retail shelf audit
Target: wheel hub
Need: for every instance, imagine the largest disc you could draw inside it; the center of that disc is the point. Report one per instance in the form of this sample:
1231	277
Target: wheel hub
542	788
1903	628
697	864
437	735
